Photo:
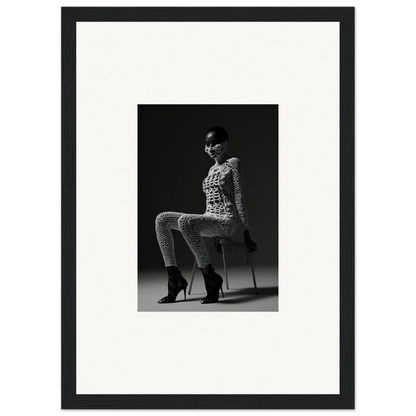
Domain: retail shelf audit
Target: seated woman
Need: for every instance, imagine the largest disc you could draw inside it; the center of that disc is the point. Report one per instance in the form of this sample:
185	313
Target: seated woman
224	209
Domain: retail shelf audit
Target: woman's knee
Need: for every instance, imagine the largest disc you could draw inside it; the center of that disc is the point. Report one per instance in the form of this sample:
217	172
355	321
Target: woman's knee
162	219
183	222
159	218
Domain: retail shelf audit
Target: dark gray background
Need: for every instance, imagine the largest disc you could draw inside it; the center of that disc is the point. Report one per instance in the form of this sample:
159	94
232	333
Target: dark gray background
172	165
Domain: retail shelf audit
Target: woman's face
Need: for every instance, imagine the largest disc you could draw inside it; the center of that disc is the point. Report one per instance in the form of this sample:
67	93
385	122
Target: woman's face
213	147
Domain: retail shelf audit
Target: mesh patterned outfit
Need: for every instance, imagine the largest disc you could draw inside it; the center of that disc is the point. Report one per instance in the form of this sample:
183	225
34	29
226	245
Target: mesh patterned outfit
224	209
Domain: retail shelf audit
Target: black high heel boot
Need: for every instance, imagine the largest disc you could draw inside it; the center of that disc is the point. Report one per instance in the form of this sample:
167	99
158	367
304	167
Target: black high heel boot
176	283
213	284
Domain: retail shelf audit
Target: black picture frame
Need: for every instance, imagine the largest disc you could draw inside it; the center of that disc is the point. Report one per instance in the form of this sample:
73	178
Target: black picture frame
69	398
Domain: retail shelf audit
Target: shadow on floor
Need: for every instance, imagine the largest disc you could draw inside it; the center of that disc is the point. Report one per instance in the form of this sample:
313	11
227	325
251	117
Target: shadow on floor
243	295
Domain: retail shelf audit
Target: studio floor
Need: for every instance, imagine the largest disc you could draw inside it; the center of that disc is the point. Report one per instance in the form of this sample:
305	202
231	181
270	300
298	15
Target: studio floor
241	295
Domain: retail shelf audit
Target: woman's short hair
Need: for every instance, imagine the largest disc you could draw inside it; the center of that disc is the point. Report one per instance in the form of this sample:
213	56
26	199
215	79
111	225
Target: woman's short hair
220	132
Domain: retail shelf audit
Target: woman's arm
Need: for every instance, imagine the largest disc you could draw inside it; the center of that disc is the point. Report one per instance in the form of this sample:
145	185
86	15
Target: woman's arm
239	202
238	191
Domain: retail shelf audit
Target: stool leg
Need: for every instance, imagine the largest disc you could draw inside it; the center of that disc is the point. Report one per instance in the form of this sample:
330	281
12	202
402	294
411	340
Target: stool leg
192	278
225	265
252	271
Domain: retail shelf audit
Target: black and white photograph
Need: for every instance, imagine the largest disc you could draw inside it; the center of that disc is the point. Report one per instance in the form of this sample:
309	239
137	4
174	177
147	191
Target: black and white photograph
208	171
208	208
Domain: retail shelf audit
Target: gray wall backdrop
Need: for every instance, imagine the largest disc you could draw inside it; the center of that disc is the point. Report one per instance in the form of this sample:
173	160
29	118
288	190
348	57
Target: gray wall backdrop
172	165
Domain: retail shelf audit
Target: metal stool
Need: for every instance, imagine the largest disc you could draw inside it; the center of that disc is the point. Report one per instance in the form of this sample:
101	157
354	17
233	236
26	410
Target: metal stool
232	247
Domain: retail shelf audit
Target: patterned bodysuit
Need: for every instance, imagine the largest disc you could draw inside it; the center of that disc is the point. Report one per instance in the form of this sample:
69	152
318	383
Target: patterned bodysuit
224	209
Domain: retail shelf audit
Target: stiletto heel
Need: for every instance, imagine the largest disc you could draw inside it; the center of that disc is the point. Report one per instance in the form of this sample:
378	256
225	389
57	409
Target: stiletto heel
213	284
176	283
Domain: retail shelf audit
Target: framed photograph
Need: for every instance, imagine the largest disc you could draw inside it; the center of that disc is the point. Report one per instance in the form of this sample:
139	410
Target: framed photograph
208	208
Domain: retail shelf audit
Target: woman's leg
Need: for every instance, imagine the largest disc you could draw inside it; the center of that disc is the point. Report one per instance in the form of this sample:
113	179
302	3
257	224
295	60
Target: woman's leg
165	222
193	227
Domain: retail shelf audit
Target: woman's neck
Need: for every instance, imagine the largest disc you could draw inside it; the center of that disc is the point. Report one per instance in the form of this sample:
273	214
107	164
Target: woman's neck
221	159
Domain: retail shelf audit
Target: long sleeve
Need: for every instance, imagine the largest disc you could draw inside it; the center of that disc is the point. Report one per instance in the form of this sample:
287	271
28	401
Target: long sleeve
238	191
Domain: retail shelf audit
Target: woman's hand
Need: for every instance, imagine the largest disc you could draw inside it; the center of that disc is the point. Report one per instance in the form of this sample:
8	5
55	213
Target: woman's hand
250	244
